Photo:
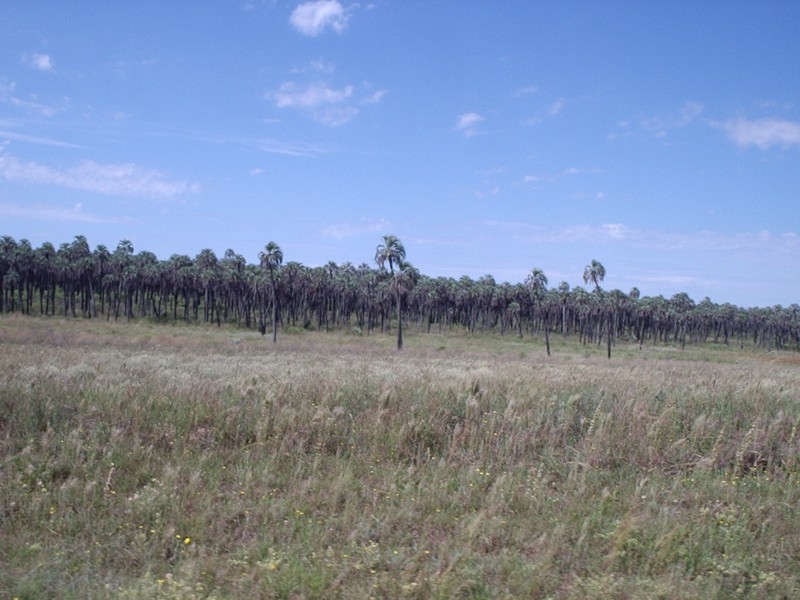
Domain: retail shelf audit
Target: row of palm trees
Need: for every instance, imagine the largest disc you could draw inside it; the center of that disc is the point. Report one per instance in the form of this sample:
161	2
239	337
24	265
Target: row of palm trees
74	280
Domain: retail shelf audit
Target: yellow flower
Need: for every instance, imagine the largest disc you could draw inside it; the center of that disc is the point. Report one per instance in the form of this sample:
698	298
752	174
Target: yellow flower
187	540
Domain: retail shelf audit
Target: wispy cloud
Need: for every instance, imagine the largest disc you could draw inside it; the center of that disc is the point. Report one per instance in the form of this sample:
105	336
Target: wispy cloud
40	62
560	175
318	65
551	110
527	90
109	179
9	95
749	243
762	133
32	139
660	125
556	107
468	122
74	214
374	98
312	18
341	231
290	148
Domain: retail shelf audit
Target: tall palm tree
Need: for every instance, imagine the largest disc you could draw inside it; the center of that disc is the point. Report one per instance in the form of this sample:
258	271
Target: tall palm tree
536	282
402	283
393	252
595	272
271	259
563	294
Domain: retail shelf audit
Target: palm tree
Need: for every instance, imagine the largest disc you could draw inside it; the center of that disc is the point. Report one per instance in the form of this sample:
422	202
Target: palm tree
595	272
402	283
271	258
536	282
393	252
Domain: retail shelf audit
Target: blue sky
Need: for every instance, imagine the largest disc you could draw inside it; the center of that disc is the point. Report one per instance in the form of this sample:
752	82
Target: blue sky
662	139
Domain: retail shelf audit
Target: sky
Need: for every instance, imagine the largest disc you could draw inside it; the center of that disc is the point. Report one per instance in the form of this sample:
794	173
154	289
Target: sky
662	139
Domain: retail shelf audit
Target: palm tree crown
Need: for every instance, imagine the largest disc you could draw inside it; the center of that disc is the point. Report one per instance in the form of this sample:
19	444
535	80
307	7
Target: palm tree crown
536	282
391	251
594	272
271	257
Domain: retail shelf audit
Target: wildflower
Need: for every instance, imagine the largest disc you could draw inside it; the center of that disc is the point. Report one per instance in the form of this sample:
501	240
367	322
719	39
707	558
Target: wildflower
187	541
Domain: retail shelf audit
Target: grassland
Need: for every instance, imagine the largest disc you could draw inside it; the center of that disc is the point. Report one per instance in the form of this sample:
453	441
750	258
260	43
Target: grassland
144	461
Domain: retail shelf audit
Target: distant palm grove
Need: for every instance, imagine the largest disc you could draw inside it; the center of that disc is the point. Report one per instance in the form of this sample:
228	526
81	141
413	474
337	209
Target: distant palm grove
75	281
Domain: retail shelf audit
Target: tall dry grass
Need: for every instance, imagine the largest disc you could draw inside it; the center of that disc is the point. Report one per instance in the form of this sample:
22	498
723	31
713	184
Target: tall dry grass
142	462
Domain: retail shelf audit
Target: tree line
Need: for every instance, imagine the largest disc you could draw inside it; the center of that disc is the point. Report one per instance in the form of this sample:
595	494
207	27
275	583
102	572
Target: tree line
75	281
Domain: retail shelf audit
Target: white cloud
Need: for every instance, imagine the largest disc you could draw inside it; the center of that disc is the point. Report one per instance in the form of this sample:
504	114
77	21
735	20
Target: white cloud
40	62
290	95
468	120
327	105
311	18
110	179
762	133
466	123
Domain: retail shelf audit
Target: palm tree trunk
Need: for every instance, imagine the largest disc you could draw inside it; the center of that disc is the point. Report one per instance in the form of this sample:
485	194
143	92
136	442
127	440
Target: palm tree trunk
399	322
547	335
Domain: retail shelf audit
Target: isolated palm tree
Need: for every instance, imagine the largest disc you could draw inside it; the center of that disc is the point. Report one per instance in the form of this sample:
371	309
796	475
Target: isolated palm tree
393	252
536	282
595	272
403	281
271	259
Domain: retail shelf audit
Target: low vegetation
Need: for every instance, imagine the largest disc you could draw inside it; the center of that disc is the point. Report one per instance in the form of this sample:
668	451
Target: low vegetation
173	461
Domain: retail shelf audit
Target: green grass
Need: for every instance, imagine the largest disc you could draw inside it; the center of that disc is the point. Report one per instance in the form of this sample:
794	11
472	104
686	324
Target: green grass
153	461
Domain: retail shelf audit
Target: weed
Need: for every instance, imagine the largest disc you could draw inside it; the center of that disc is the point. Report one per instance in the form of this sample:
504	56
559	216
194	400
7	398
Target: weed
137	464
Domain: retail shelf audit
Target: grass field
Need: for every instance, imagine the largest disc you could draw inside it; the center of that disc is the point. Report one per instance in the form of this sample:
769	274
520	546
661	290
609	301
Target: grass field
144	461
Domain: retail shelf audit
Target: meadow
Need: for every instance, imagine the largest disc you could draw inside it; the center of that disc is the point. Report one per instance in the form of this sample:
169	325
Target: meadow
171	461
